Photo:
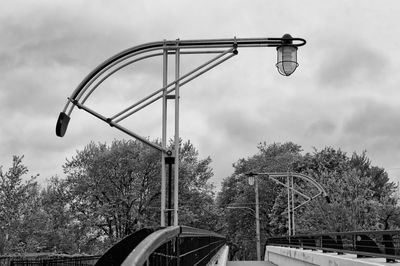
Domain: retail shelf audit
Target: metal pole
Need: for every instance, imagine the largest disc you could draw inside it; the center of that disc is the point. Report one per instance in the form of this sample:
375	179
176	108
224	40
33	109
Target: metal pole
293	225
169	191
164	135
257	220
288	202
176	176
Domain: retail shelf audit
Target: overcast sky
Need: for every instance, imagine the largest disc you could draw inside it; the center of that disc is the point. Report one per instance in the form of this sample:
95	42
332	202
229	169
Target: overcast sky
345	93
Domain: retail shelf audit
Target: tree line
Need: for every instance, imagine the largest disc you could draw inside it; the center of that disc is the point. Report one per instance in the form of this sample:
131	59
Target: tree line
362	196
110	191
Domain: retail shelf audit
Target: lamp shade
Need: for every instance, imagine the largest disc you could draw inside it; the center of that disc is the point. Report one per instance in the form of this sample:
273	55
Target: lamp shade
62	124
251	180
287	56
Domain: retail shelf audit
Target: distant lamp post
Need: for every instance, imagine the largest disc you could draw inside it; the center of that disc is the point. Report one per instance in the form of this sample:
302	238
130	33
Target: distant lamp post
257	216
253	180
291	190
287	56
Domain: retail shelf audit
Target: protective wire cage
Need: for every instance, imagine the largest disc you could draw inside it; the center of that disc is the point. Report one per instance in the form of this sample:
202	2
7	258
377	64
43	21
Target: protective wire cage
287	59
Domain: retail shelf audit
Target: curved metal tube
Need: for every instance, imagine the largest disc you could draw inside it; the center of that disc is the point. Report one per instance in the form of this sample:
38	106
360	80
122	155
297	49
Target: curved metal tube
320	188
142	251
100	70
188	44
173	46
301	176
116	70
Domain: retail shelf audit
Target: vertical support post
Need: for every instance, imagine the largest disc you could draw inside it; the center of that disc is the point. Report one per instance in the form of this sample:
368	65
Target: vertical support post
288	209
176	176
257	220
178	251
164	135
169	161
292	186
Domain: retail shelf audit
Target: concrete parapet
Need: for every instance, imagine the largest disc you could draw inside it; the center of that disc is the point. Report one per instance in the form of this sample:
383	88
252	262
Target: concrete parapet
221	258
300	257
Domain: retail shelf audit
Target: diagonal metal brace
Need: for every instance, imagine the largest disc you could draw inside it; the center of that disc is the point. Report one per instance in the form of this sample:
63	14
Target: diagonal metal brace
119	127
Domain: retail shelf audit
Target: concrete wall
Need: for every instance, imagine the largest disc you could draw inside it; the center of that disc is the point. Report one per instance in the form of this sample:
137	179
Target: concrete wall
221	258
300	257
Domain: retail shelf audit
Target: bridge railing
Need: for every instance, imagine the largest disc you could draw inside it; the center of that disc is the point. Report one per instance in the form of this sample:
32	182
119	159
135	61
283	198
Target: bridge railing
55	260
177	245
385	244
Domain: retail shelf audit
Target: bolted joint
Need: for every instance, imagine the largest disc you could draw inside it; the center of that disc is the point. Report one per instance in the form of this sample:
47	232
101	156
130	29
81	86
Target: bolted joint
76	103
109	121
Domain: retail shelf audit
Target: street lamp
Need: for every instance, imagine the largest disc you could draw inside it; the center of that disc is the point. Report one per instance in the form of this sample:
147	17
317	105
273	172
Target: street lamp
257	216
224	49
287	56
253	178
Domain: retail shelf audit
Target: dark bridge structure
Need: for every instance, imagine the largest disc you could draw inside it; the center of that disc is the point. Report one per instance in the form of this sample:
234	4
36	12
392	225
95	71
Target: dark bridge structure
181	245
174	245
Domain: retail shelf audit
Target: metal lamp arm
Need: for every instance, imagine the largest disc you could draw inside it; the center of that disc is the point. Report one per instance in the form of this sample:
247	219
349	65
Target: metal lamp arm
320	188
285	185
183	44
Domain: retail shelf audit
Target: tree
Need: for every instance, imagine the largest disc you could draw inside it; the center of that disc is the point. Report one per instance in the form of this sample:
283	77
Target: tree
196	196
112	188
362	196
18	201
240	223
115	190
60	232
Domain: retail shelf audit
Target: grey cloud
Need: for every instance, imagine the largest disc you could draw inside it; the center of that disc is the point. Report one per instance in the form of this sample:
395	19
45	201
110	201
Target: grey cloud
44	59
320	127
375	119
351	64
237	125
63	34
31	91
54	41
375	127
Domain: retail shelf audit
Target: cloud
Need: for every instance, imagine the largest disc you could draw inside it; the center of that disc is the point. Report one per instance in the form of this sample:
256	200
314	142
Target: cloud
348	64
374	120
320	127
374	127
49	46
236	125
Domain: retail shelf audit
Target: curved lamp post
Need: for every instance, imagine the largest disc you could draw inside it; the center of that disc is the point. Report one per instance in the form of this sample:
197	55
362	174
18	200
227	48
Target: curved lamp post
253	178
224	49
257	217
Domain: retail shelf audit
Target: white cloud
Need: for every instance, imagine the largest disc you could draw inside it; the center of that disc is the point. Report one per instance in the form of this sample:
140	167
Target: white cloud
344	92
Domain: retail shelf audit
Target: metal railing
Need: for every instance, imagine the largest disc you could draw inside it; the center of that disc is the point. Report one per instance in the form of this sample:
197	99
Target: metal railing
384	244
118	252
64	261
176	245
